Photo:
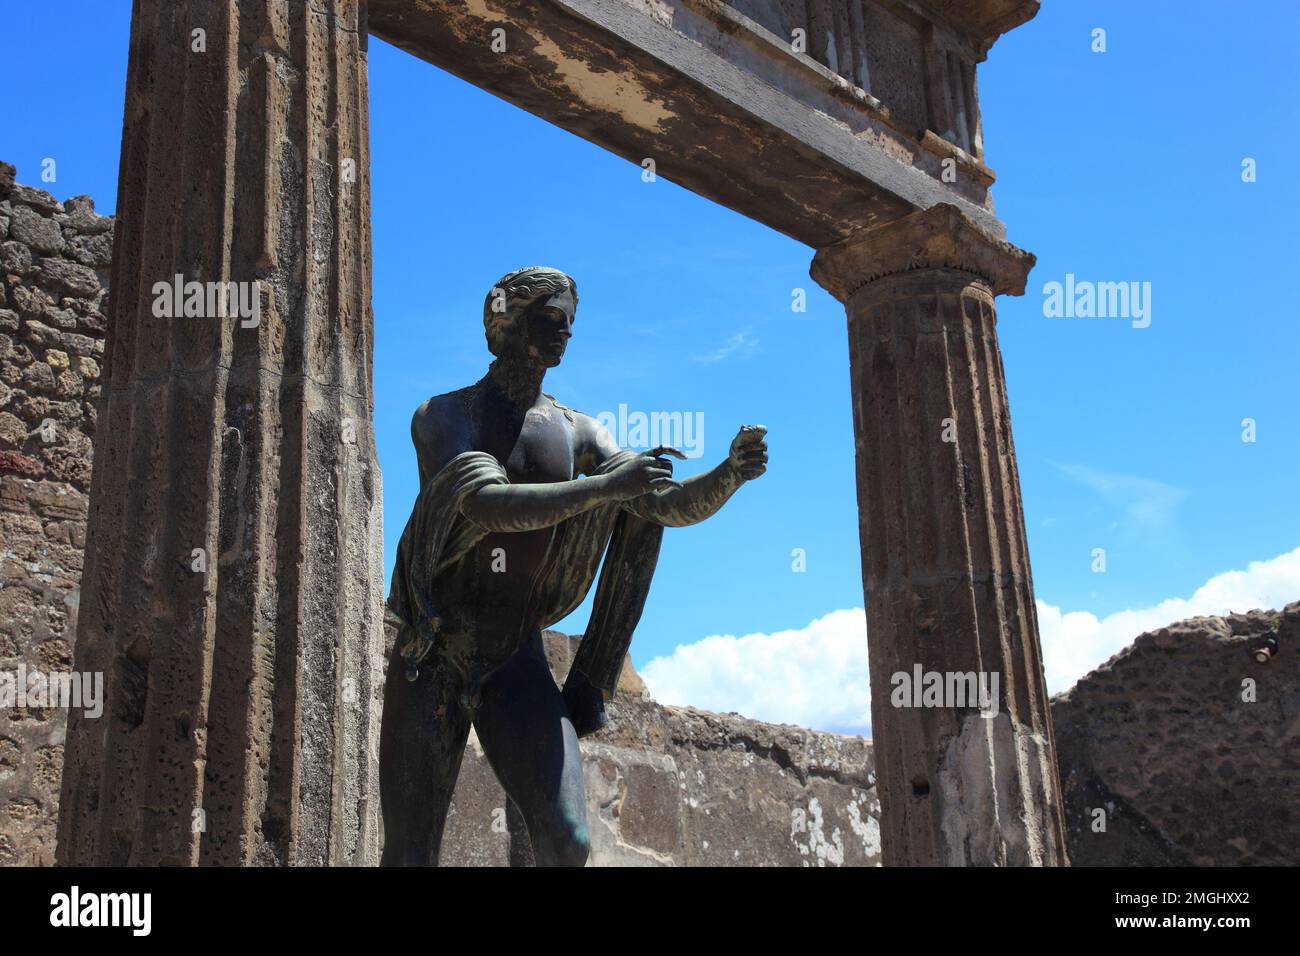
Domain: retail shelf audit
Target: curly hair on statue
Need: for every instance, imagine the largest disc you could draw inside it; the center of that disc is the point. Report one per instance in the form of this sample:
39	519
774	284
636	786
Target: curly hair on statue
513	293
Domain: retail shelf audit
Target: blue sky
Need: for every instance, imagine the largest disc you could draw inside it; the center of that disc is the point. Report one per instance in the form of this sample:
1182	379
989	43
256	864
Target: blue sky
1115	166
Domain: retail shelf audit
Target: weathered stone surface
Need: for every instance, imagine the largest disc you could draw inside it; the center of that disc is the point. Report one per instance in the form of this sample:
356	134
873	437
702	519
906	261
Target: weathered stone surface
945	566
22	465
15	258
30	301
68	278
245	695
40	334
78	344
834	140
38	377
81	216
96	250
41	235
37	199
941	237
13	433
1184	770
45	453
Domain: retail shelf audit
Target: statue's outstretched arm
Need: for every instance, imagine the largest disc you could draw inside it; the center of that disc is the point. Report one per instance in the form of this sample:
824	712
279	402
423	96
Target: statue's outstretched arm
699	497
544	505
695	498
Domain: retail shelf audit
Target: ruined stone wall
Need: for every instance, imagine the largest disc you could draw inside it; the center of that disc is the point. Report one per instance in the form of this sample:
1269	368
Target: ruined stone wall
54	260
675	786
1188	746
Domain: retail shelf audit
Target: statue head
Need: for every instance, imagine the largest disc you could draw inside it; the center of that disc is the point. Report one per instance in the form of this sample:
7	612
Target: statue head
529	314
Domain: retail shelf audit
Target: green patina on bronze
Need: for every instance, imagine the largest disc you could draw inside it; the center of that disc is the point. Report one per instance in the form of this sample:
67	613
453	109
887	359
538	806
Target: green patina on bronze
520	499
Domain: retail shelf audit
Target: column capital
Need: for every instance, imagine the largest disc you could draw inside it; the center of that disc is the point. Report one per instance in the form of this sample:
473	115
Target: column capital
941	237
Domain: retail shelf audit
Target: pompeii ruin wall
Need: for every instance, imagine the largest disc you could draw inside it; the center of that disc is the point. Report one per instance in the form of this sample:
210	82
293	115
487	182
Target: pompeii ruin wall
1158	738
1190	747
54	260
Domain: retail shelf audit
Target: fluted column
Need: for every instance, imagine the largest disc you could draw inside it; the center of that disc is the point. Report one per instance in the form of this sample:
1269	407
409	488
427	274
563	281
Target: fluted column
233	578
945	569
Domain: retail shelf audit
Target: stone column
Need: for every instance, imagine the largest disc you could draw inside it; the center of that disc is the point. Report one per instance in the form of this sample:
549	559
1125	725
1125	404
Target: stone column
233	578
945	569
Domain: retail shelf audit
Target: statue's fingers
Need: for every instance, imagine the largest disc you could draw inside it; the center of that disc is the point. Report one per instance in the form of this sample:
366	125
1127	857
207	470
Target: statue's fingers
660	450
665	463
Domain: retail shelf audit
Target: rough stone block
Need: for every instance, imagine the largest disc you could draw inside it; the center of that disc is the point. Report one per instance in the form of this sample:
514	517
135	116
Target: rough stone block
29	227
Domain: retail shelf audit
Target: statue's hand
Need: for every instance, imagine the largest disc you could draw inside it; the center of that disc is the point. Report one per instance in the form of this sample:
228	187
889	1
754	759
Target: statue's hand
748	455
644	473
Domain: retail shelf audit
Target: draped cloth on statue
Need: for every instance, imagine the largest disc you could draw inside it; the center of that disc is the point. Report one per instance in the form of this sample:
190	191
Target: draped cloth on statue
437	536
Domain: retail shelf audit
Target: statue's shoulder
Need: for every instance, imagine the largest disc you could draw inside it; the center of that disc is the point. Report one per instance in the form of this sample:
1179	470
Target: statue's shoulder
576	418
449	406
592	440
586	429
441	423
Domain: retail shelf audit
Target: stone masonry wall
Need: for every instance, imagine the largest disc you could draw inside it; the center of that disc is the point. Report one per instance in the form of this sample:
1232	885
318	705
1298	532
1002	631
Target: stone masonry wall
54	260
1188	746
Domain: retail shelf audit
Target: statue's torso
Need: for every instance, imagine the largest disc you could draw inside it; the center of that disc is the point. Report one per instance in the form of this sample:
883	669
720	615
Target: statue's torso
485	595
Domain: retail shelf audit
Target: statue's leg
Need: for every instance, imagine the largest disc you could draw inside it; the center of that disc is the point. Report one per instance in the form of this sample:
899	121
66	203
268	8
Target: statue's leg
421	741
530	742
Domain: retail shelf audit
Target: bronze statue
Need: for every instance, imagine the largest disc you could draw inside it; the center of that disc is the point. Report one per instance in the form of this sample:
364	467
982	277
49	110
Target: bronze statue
504	540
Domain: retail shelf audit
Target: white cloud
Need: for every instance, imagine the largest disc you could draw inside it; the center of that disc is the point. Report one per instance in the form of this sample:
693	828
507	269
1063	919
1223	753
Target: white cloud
741	343
1077	642
816	676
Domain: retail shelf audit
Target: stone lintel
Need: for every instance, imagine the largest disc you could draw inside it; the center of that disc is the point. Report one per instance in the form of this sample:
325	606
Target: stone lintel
941	237
723	108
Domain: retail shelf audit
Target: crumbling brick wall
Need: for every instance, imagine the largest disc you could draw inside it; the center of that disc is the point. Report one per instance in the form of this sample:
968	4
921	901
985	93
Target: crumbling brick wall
54	260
